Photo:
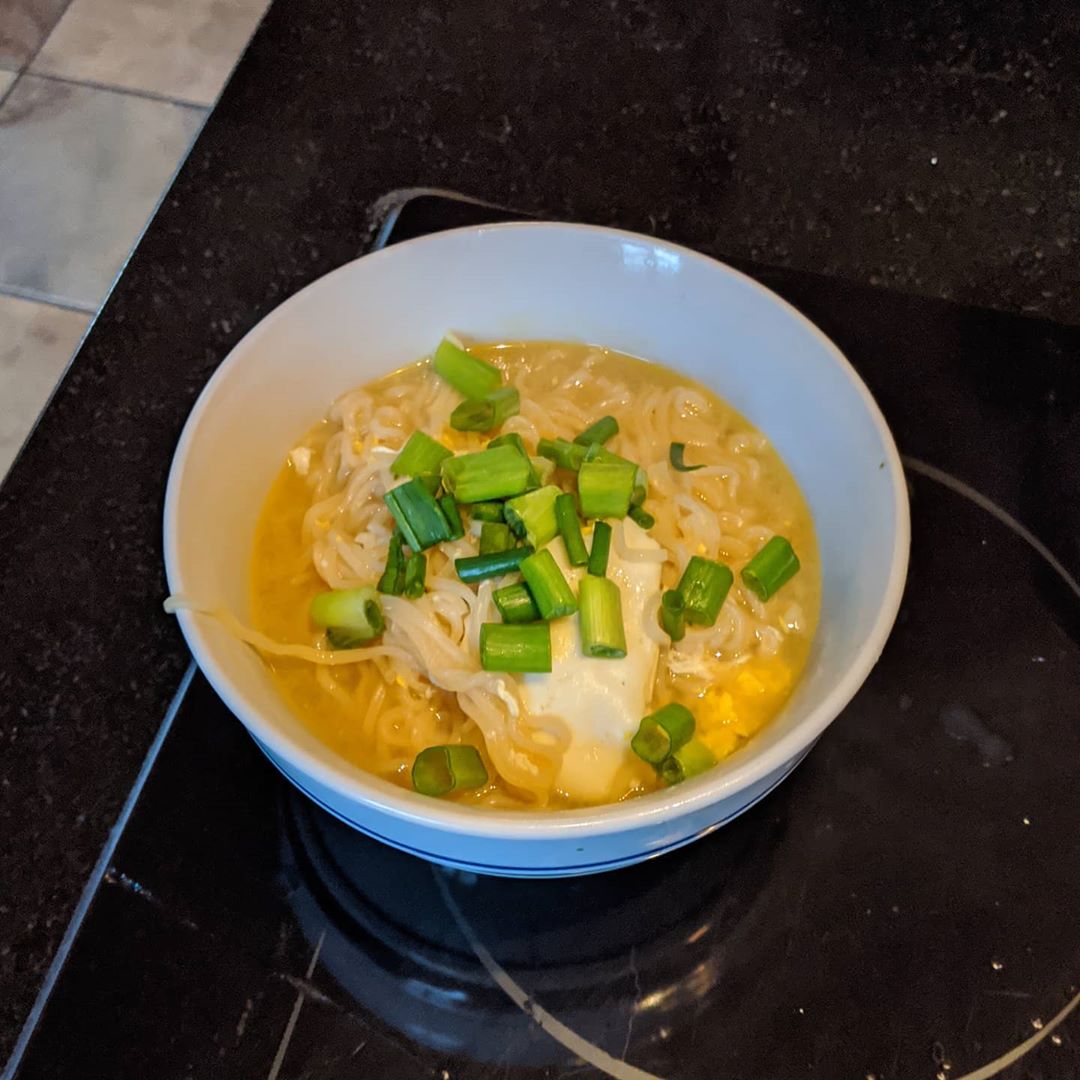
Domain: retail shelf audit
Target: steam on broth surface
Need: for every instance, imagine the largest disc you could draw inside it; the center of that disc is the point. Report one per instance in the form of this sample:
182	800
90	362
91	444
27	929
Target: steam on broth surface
547	740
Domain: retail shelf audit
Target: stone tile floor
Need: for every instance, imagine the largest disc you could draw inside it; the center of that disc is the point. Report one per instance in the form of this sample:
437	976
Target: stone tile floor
100	101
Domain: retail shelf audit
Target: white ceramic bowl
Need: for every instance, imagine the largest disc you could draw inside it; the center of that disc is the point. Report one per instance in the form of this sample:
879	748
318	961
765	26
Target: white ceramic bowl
561	282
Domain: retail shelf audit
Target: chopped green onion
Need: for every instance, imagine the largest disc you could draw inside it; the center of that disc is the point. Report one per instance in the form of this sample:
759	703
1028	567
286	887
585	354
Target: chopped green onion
469	375
544	468
488	474
392	581
478	567
640	516
599	453
338	637
415	572
662	733
453	517
773	566
601	547
515	604
675	456
432	481
511	438
704	587
418	515
356	611
602	633
420	454
673	614
490	411
515	647
607	427
690	760
438	770
566	455
605	489
553	596
487	511
495	536
532	515
577	553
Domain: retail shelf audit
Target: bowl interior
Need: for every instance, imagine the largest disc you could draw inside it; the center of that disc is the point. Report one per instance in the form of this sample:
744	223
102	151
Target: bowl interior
542	281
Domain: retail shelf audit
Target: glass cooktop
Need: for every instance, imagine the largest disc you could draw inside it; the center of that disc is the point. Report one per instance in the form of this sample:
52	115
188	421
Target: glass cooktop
902	906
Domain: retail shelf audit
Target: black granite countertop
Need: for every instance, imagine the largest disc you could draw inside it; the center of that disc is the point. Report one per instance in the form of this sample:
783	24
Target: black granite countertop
934	153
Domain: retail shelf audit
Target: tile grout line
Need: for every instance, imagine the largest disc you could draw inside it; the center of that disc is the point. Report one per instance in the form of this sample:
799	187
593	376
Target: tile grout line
91	84
93	882
34	54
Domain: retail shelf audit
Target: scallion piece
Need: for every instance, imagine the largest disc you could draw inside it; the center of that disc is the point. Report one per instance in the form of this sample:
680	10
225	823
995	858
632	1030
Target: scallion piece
673	614
497	473
415	573
338	637
355	611
605	489
515	647
483	414
420	454
553	596
675	456
640	490
690	760
602	633
662	733
773	566
487	511
418	515
438	770
393	577
566	455
704	587
515	604
478	567
640	516
532	515
469	375
607	427
511	438
577	553
601	548
495	536
544	468
431	480
453	517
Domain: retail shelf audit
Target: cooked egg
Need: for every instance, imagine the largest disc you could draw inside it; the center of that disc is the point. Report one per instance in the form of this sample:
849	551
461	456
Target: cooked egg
603	701
741	705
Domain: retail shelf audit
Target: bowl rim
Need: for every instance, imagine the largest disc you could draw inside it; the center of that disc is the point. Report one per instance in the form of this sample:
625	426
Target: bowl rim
730	777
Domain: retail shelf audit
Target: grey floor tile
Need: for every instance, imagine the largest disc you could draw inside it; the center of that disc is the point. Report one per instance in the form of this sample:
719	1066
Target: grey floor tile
80	171
36	342
6	79
181	49
24	25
